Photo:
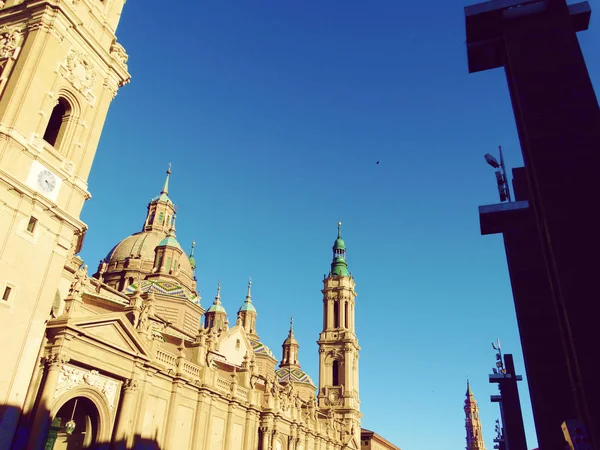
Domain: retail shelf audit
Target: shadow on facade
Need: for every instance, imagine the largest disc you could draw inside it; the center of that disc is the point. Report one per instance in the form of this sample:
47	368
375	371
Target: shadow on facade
56	436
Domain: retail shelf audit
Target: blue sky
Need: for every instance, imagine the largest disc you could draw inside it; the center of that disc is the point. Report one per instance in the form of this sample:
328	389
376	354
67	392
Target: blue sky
273	114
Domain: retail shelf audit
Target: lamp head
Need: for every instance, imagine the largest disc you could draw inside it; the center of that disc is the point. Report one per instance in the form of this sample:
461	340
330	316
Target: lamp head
491	161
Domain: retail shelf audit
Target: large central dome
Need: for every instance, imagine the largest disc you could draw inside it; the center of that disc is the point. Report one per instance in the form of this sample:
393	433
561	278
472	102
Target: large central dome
151	253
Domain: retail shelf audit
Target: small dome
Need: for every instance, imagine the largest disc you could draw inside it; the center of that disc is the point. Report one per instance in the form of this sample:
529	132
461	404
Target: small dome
192	261
248	306
141	246
216	307
163	197
339	244
290	340
171	242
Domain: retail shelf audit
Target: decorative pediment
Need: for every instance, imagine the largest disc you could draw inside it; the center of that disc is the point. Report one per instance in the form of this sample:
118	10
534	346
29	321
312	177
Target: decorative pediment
235	345
114	330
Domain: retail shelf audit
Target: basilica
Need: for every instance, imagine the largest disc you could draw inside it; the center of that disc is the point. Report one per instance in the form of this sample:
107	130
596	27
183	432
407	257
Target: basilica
129	357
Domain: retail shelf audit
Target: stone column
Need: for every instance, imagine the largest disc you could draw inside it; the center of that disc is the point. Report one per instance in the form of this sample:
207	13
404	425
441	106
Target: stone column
171	413
228	425
41	423
207	430
197	431
265	438
248	429
124	426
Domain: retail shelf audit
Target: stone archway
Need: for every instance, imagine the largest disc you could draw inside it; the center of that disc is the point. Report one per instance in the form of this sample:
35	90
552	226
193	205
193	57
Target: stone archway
88	410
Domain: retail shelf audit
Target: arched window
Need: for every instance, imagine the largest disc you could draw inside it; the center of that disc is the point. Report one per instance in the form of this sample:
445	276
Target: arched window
335	373
336	315
55	130
160	217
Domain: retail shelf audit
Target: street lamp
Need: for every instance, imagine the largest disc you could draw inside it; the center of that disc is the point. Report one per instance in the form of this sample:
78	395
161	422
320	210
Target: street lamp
501	179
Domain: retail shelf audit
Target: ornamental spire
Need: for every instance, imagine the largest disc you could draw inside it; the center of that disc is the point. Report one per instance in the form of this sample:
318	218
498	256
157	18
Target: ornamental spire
339	267
191	257
247	314
165	189
247	305
290	349
218	296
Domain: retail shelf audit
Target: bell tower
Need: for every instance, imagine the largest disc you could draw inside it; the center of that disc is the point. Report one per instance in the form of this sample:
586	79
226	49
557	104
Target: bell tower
338	345
472	422
60	68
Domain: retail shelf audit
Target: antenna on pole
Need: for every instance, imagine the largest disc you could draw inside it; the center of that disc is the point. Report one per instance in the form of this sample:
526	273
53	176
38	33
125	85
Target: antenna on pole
506	185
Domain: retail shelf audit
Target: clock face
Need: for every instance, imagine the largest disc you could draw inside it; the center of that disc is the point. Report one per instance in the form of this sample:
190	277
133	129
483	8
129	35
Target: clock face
333	396
46	181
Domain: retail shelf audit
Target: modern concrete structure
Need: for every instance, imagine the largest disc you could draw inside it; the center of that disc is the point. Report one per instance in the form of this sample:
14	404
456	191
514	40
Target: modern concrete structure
539	329
558	121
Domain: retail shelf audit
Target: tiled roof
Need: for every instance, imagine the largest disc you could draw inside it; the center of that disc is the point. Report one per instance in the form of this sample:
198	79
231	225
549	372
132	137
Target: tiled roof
163	288
286	374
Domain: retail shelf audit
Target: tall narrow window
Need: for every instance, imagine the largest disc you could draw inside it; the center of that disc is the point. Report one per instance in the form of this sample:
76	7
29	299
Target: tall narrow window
345	314
336	315
31	224
160	218
55	129
335	373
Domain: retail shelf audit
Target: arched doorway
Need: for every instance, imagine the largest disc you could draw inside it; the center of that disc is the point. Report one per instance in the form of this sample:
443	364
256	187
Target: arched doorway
75	426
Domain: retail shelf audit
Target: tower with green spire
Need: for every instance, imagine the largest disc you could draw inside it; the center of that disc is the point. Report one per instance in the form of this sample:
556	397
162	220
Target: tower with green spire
338	344
247	314
161	210
339	266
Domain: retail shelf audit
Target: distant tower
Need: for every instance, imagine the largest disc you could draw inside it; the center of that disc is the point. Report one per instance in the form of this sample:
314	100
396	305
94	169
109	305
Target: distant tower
472	423
247	315
338	345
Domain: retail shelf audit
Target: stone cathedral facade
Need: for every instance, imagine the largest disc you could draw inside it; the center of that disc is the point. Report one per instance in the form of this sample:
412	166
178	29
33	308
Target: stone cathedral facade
129	356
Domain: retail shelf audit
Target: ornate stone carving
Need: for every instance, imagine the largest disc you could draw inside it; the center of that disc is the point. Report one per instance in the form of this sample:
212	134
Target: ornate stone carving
118	53
57	360
130	385
71	376
80	282
10	40
81	73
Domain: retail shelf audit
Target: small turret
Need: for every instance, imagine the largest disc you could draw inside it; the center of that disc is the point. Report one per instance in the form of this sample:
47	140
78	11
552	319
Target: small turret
247	314
161	210
216	316
167	253
290	349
